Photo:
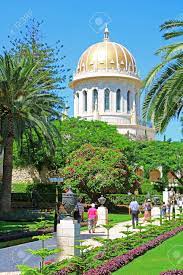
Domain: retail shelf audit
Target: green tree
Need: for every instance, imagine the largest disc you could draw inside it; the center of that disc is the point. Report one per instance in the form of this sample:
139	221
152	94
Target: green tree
26	102
152	154
49	58
74	133
164	84
95	170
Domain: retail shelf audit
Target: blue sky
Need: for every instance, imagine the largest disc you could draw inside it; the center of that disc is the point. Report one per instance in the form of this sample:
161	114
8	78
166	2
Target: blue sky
79	24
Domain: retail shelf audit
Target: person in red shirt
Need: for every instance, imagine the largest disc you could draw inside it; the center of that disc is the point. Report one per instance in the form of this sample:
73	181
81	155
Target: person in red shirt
92	218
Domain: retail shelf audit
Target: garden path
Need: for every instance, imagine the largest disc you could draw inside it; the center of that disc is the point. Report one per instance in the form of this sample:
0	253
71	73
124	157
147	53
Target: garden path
10	257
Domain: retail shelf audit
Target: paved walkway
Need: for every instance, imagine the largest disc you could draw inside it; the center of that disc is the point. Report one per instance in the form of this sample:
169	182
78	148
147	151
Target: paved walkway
10	257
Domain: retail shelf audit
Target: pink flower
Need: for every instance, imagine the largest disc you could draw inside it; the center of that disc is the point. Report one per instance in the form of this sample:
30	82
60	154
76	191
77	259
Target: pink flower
51	261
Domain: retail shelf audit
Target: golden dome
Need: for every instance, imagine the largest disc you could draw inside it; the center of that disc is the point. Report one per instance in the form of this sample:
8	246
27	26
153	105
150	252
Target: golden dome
106	55
106	59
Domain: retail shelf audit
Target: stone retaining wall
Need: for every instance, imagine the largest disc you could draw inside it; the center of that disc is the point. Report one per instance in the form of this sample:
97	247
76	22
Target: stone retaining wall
28	174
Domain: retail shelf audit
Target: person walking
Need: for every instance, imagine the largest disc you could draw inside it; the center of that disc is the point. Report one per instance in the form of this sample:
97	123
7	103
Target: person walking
168	208
92	218
163	210
180	203
147	211
81	210
134	211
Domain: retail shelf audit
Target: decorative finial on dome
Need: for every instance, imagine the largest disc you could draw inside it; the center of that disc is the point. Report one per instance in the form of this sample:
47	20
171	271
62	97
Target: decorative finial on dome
106	33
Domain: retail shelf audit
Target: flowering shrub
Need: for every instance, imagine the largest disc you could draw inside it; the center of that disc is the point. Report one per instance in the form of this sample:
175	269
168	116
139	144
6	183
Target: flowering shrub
172	272
49	262
63	271
119	261
94	170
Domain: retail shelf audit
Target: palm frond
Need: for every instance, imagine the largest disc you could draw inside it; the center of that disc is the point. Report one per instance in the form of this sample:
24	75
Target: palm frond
172	34
171	24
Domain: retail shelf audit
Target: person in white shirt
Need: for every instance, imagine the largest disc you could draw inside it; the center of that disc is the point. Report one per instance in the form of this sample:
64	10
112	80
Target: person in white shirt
134	211
180	204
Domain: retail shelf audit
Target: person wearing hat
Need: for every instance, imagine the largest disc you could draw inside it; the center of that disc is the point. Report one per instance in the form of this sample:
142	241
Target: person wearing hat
92	218
147	210
134	211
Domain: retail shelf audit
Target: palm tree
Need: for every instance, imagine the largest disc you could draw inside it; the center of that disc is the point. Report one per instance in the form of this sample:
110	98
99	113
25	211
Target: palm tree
164	84
27	101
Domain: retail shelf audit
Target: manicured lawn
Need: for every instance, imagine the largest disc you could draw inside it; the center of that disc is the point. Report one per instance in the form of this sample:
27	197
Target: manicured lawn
113	219
116	218
167	256
15	242
9	226
13	226
19	187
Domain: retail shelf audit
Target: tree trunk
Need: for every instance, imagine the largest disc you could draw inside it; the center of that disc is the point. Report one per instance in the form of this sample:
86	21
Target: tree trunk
7	169
43	174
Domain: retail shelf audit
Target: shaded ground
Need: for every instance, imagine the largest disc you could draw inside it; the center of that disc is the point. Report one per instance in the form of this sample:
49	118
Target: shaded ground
13	233
14	255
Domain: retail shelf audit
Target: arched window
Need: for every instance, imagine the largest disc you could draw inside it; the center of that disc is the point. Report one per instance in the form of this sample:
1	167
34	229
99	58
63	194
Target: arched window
136	100
118	100
106	99
95	100
128	102
85	100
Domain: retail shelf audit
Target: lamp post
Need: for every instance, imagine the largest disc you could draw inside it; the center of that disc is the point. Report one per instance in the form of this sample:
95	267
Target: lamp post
56	181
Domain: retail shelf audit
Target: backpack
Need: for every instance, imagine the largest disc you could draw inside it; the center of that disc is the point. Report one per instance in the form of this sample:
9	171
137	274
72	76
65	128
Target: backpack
76	213
148	207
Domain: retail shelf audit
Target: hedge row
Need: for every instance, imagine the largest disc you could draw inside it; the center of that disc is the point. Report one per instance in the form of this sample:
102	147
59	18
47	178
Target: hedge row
46	193
118	262
172	272
117	199
120	199
37	197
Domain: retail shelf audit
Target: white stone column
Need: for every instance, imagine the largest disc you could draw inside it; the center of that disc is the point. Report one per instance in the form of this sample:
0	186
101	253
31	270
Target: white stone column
68	236
75	105
165	196
100	101
113	102
90	102
133	108
155	212
102	213
80	106
124	95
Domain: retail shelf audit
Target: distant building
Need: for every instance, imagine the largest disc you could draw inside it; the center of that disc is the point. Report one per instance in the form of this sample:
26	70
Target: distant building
106	87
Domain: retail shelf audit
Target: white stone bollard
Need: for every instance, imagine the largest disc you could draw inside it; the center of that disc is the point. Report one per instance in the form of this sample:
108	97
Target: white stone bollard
165	196
155	212
102	213
68	236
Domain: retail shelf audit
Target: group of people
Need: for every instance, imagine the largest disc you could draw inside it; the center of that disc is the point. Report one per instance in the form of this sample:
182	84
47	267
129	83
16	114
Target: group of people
166	207
78	214
134	209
